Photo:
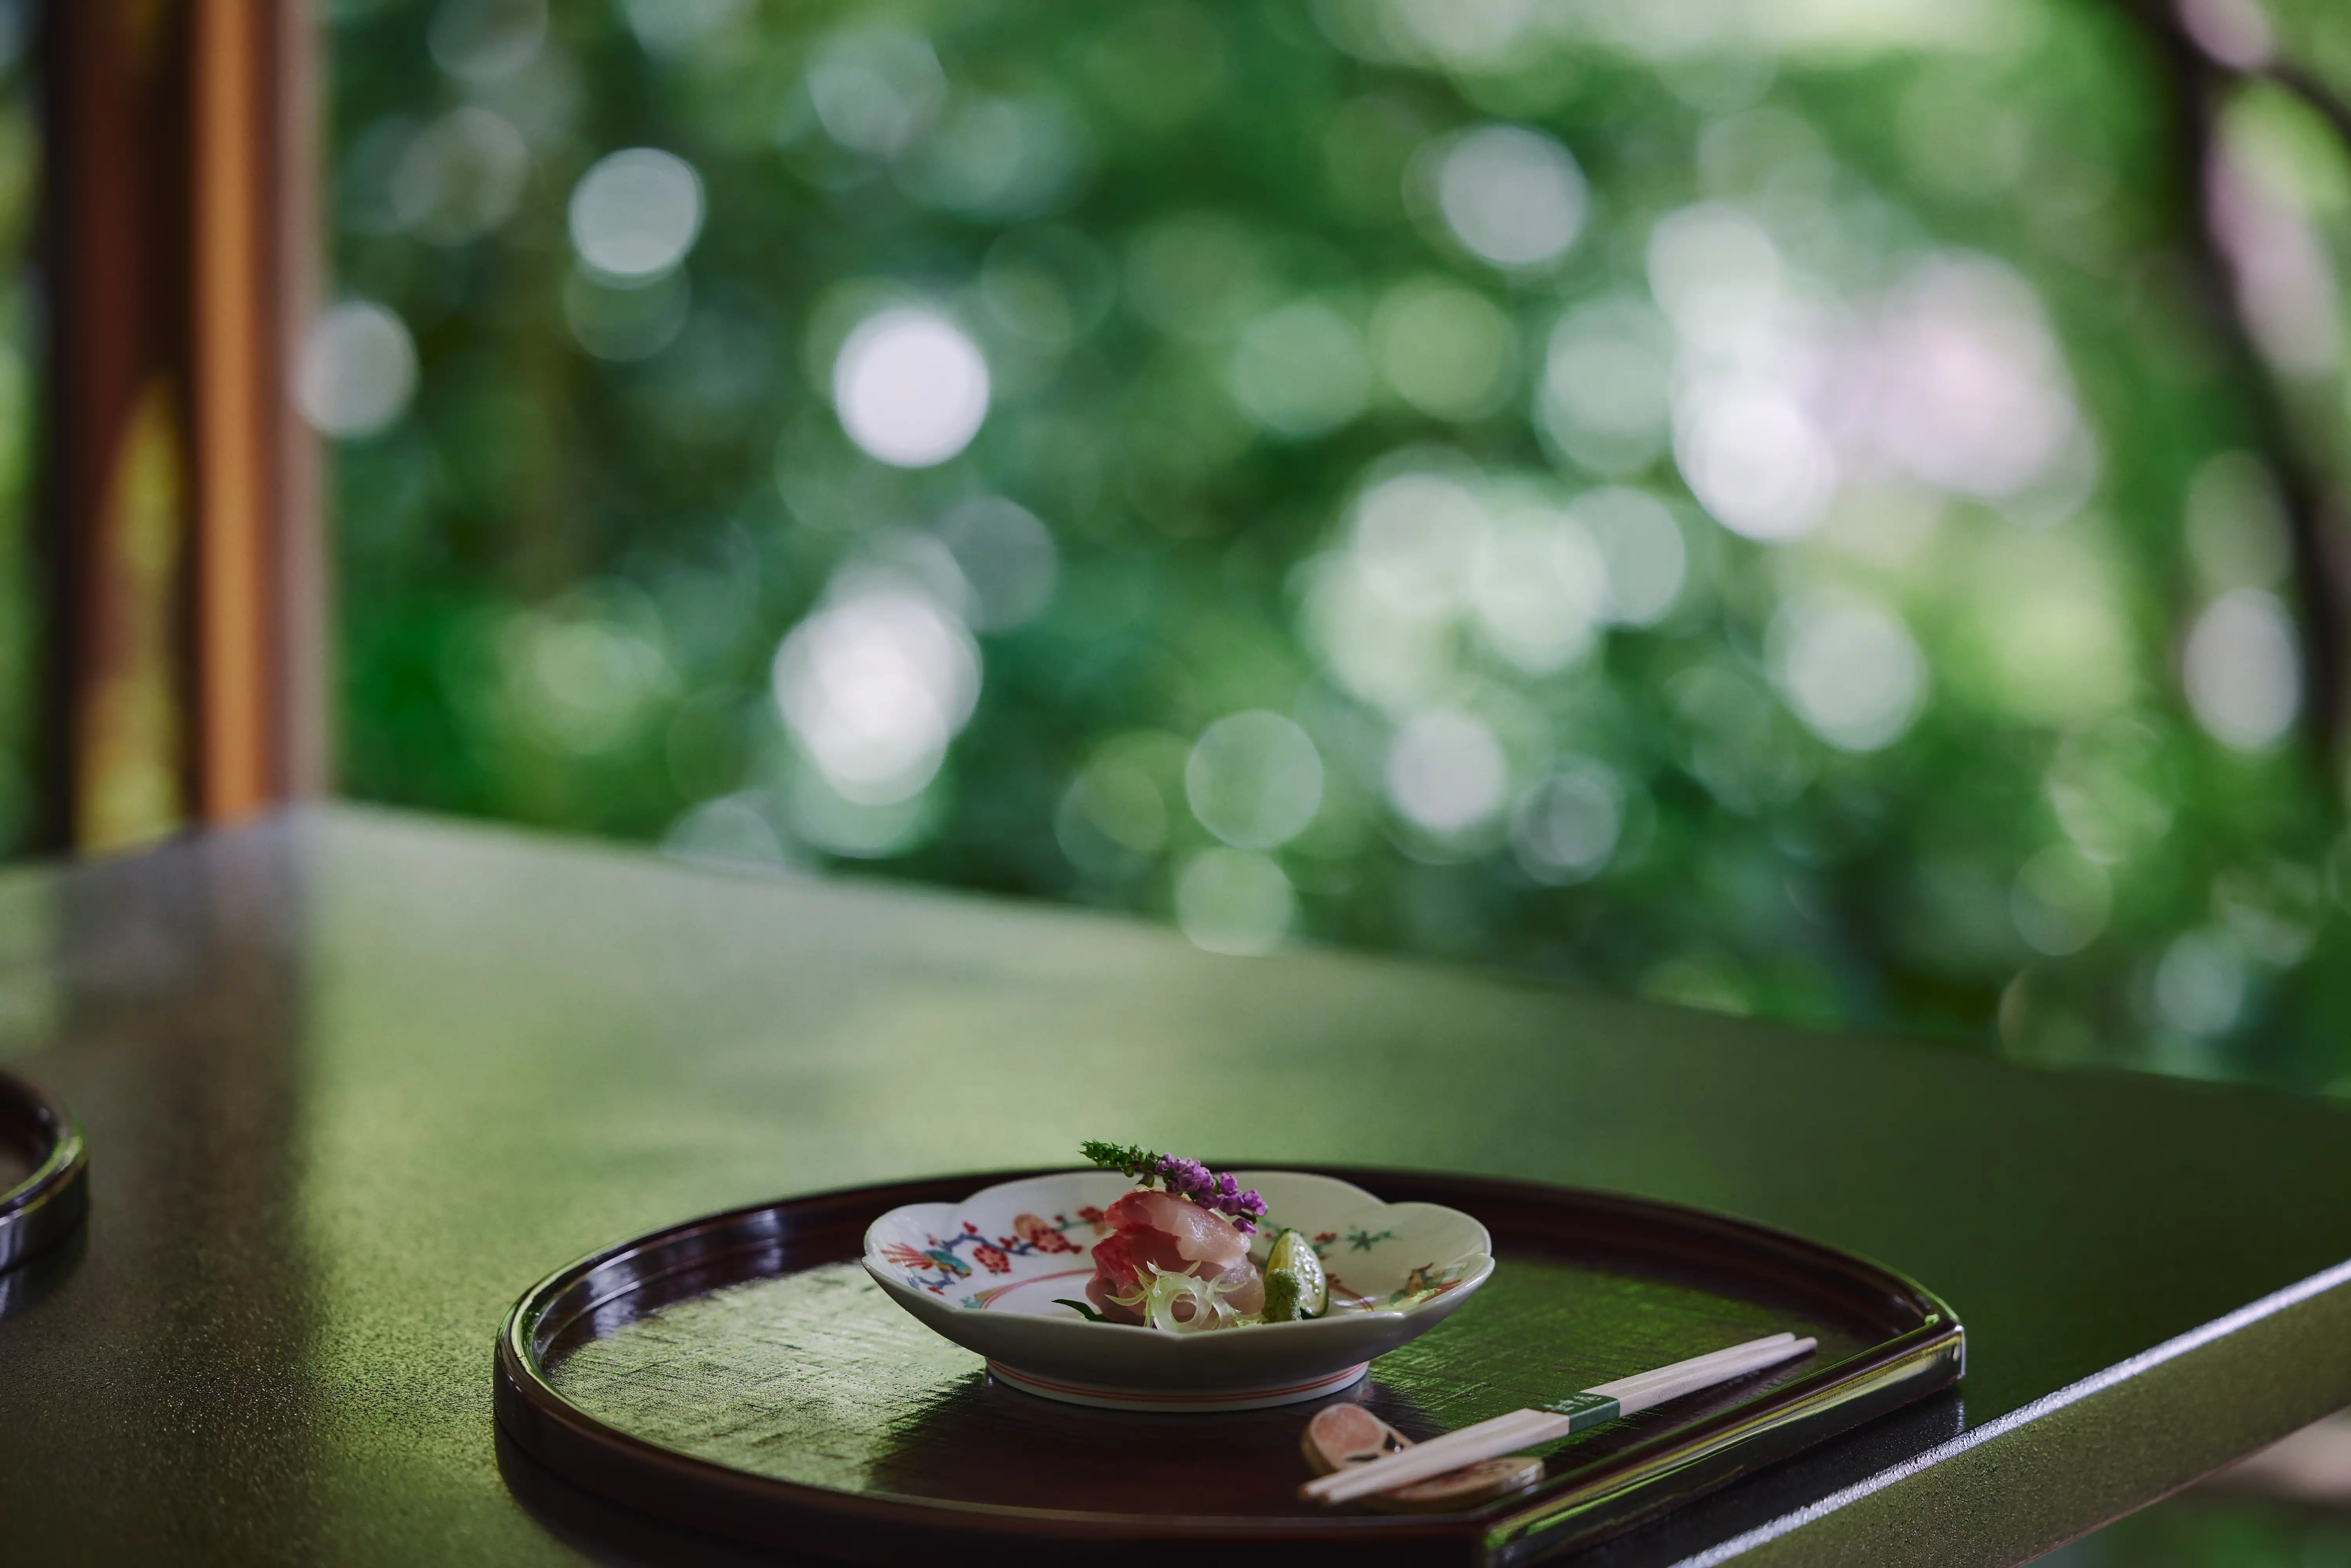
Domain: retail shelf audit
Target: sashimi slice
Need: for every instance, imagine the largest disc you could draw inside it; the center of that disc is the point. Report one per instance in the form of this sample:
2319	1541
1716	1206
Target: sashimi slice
1200	1234
1156	1230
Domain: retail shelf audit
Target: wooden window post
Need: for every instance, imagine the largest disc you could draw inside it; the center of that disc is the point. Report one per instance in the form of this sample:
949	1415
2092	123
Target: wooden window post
188	562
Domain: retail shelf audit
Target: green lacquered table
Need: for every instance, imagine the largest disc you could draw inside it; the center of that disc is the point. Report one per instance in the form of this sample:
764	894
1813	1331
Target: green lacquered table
351	1080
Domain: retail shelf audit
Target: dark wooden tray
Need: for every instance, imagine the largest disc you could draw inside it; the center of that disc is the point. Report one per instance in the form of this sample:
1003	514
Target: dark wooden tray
741	1376
42	1160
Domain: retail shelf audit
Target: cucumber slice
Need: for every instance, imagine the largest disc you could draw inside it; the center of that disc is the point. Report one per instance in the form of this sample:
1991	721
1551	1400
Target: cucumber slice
1294	1285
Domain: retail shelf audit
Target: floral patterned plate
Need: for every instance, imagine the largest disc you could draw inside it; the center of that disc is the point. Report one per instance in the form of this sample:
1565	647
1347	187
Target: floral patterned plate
989	1274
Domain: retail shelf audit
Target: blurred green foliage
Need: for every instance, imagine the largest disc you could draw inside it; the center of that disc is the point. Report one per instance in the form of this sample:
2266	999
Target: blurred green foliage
2205	1530
1746	503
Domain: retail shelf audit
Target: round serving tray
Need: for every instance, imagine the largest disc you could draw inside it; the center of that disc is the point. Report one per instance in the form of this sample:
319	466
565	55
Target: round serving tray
741	1376
42	1164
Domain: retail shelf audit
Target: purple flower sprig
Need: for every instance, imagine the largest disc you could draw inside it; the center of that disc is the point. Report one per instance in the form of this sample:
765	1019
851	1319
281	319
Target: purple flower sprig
1215	1191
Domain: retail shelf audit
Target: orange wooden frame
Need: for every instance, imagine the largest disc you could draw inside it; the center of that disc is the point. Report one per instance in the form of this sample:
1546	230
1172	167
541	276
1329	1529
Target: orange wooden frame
258	591
186	547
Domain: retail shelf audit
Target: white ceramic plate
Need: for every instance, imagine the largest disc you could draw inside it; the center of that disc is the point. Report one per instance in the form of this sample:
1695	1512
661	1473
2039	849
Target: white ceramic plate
985	1273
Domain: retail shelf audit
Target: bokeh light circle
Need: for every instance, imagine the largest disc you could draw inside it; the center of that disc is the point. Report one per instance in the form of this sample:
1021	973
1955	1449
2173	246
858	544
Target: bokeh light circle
1446	771
1414	536
1849	669
1714	272
1008	559
1647	557
2061	901
1605	384
1254	780
485	41
1234	902
357	371
873	685
2242	670
635	213
1755	459
2199	987
1512	196
461	177
1300	371
1539	588
876	89
1448	351
1565	827
911	388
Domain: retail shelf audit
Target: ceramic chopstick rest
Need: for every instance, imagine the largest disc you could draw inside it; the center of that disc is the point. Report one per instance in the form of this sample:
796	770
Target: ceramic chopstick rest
1343	1434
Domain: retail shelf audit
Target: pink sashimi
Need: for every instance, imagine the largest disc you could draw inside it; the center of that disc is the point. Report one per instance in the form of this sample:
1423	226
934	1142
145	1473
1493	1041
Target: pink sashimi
1200	1235
1176	1235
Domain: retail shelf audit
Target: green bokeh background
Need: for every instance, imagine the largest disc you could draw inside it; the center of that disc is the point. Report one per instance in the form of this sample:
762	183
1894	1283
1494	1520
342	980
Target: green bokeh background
566	570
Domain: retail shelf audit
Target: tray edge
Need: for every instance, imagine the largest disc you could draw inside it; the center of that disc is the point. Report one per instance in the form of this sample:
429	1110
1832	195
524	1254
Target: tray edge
50	1203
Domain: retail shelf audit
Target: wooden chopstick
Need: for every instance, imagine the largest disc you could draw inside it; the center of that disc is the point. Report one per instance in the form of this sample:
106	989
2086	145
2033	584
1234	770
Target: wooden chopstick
1639	1381
1525	1429
1706	1377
